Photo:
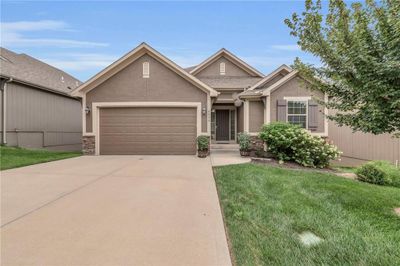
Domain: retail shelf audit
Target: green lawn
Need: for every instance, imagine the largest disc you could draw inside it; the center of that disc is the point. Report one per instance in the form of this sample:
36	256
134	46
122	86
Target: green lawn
16	157
266	207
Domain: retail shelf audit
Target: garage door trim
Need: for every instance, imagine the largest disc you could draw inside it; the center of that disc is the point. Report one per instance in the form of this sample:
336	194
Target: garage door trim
97	105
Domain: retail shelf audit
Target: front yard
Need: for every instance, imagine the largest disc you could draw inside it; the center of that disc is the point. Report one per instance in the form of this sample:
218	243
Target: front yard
266	208
17	157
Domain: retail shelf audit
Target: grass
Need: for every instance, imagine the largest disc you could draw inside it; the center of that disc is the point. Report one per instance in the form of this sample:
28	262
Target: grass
17	157
345	169
266	207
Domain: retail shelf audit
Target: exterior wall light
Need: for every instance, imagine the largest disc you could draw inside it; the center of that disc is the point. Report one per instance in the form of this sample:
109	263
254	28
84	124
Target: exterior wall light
87	110
203	110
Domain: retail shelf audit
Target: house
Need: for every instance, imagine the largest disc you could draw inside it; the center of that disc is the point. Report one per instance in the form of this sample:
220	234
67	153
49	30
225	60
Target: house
144	103
37	110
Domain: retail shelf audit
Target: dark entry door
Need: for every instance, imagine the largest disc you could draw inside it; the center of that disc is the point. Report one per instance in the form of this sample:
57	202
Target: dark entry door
222	122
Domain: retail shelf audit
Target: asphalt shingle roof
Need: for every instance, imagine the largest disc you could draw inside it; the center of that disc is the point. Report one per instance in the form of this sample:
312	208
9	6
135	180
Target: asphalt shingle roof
27	69
225	82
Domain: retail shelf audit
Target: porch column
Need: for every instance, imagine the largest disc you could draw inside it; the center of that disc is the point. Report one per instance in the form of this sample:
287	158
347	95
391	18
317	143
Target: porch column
246	116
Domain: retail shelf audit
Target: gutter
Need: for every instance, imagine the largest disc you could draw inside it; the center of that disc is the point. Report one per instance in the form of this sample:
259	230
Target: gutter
4	111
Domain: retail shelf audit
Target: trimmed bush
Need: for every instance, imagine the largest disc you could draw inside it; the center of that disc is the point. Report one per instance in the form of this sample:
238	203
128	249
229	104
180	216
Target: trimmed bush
379	173
289	142
244	141
202	143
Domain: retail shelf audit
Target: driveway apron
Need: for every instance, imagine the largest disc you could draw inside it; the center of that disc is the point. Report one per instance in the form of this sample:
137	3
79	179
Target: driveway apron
113	210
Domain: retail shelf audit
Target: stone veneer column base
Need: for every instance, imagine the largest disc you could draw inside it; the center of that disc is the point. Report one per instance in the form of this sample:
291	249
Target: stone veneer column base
256	143
88	145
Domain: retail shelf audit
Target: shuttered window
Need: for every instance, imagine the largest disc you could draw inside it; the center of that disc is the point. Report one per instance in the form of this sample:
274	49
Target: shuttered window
297	113
222	68
146	70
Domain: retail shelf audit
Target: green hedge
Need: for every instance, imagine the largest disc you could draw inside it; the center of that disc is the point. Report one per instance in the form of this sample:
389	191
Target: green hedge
289	142
379	173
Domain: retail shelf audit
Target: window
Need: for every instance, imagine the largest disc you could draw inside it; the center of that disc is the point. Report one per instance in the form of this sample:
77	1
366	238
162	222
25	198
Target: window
297	113
146	70
222	68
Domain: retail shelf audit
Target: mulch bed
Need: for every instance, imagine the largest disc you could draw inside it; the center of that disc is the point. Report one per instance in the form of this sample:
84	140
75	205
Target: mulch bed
295	166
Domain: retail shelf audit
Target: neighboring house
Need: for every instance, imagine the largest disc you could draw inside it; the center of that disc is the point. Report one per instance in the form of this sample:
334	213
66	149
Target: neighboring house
144	103
37	110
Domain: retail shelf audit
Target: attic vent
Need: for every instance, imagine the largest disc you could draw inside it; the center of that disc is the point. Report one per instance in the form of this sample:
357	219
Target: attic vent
76	83
222	68
62	79
146	70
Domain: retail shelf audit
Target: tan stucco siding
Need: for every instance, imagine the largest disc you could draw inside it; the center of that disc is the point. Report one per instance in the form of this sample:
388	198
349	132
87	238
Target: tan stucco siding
163	85
230	69
256	115
296	88
240	119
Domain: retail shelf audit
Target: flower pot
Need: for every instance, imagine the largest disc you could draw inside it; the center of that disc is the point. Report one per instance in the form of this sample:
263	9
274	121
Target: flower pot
244	153
202	154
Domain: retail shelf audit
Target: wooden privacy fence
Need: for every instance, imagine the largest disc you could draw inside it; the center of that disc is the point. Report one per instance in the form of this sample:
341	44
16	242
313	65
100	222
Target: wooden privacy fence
365	146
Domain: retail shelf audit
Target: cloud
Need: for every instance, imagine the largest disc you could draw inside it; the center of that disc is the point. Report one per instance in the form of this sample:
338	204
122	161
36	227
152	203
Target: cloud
13	35
33	25
80	61
286	47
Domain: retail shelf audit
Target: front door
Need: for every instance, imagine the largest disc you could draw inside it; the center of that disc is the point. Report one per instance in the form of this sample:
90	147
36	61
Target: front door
222	125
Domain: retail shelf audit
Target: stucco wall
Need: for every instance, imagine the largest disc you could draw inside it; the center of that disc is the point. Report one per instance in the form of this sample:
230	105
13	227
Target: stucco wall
296	88
230	69
40	119
128	85
256	115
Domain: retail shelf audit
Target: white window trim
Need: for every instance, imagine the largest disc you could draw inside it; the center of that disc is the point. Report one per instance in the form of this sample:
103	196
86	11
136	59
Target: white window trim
146	70
222	68
97	105
297	99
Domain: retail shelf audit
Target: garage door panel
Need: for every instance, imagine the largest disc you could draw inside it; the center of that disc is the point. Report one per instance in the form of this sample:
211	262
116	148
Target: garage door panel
142	129
148	130
117	120
126	138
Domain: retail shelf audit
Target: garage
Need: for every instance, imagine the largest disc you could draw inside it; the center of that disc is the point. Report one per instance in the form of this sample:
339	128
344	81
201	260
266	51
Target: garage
147	130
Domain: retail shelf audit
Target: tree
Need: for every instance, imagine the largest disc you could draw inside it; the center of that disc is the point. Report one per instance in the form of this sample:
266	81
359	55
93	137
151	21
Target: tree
359	48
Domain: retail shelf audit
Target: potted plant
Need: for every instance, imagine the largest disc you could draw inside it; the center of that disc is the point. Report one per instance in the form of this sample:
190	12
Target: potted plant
244	144
202	146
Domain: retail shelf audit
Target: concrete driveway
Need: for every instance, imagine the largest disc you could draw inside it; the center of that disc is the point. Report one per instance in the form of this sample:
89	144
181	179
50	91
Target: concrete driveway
113	210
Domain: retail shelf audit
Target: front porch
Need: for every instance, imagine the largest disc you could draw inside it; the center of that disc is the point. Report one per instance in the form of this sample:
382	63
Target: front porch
224	123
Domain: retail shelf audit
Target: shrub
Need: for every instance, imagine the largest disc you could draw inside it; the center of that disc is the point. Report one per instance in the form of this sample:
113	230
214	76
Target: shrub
379	173
202	143
244	141
289	142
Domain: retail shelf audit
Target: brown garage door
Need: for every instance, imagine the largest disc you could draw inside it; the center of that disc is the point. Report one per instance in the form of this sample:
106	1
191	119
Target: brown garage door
148	130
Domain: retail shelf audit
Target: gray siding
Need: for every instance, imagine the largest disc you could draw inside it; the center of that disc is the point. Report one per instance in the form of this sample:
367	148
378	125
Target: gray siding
40	119
363	146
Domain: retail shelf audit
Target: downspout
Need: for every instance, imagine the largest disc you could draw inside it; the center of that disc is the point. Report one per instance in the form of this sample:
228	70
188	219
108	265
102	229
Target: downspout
4	111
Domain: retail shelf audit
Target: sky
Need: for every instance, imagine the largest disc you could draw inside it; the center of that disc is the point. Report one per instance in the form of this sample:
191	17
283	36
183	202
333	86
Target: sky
83	37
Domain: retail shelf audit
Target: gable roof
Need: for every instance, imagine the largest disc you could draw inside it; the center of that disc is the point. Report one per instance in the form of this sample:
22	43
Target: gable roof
255	90
233	58
270	76
280	82
130	57
30	71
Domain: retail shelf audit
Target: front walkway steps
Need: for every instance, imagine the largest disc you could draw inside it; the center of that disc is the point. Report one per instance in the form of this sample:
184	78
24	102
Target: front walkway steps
226	154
